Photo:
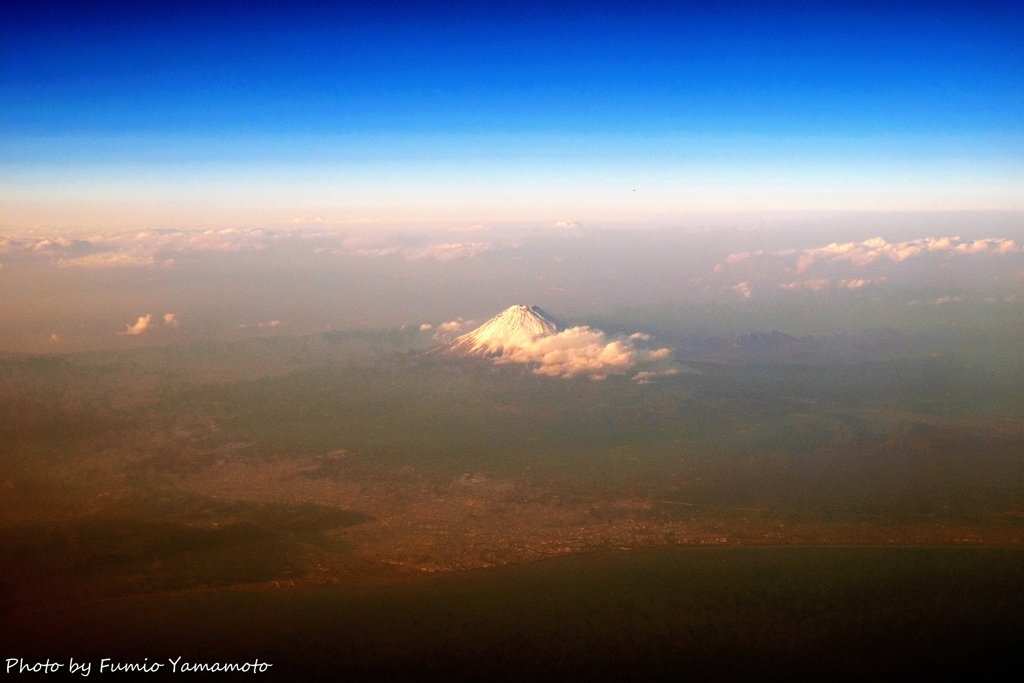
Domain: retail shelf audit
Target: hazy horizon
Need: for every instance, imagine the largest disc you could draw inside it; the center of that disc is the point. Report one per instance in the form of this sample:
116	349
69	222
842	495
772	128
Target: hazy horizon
68	292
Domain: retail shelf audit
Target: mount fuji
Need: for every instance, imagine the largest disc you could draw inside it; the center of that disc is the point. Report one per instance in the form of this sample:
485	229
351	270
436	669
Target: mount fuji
510	329
530	335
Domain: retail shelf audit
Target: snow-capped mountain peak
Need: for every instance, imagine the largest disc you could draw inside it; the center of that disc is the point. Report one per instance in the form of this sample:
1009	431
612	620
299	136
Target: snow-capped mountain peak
509	329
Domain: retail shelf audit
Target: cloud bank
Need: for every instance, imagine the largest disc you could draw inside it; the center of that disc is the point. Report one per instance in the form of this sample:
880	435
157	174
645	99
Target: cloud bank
586	352
145	323
161	247
856	265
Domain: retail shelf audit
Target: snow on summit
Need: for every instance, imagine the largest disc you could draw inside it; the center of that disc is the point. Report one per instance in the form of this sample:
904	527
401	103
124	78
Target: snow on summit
510	329
530	335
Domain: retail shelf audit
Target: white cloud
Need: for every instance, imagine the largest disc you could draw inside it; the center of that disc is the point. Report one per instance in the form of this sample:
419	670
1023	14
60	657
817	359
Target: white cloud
426	326
454	325
171	320
411	248
448	251
975	247
857	283
646	376
804	262
108	260
869	251
567	224
447	331
140	326
271	323
154	248
144	248
856	264
743	289
815	285
582	352
383	251
872	250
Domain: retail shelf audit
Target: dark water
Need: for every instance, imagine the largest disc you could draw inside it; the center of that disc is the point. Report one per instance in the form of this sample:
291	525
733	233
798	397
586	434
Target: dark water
704	614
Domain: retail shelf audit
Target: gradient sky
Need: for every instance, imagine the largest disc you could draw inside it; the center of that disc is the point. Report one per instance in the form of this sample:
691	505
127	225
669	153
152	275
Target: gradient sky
201	114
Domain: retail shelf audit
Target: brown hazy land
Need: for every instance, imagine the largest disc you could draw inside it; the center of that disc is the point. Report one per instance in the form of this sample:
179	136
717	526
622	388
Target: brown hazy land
311	460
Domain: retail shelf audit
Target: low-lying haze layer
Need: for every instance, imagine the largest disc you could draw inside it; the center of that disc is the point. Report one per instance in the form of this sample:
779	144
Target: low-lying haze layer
72	291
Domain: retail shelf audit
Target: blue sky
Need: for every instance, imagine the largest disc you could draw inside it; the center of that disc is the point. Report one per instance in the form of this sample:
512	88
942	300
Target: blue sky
505	111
